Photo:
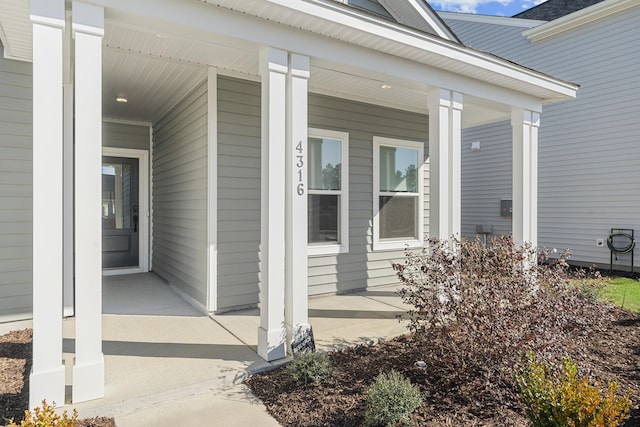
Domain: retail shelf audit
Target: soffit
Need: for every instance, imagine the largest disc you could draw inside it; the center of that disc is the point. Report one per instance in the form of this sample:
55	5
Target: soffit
15	29
154	71
362	30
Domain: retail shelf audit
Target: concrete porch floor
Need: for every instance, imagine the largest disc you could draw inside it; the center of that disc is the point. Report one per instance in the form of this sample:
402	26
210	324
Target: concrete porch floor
163	357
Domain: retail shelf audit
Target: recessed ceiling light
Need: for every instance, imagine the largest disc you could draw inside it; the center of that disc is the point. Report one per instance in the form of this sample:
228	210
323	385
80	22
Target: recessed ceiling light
385	86
122	100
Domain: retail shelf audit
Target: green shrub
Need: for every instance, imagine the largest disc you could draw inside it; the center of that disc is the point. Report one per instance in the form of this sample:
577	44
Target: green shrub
310	367
391	399
565	400
45	416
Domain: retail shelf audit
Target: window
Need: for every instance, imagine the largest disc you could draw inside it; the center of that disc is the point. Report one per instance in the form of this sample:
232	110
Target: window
397	193
328	192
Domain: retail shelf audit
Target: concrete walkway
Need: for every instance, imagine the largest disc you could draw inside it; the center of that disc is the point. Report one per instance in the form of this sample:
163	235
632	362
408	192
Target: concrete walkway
166	364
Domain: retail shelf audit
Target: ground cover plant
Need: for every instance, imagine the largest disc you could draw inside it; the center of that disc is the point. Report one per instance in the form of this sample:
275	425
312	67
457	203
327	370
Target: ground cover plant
391	400
558	396
475	312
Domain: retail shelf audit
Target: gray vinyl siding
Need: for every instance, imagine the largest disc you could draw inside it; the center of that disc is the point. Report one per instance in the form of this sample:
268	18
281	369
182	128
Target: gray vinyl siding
180	195
239	192
589	179
486	178
16	205
124	135
361	267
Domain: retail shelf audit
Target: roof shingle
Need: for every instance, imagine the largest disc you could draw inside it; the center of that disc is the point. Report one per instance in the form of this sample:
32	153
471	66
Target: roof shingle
554	9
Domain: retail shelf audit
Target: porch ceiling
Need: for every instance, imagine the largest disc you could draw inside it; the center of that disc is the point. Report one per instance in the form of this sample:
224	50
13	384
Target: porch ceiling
154	70
154	67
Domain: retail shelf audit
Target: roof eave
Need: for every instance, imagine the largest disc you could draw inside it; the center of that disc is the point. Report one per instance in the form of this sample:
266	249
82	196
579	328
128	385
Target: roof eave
546	87
578	19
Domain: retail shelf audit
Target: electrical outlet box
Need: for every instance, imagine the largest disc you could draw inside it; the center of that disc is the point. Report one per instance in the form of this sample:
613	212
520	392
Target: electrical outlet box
600	243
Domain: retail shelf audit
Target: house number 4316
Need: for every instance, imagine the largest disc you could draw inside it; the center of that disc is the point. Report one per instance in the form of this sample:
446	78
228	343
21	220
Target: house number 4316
299	165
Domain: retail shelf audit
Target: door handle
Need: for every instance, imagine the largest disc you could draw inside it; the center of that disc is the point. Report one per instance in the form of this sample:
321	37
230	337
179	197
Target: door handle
135	218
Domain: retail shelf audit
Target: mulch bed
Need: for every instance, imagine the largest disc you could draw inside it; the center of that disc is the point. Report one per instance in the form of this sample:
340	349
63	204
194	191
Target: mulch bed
15	366
340	401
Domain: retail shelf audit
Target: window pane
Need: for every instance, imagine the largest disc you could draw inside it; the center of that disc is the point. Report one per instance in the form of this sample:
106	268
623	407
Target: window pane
323	218
397	217
116	196
398	169
325	161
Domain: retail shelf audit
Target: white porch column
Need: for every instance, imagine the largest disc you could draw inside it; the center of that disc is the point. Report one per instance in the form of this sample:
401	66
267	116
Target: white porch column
445	123
68	234
46	380
272	333
296	292
88	372
525	125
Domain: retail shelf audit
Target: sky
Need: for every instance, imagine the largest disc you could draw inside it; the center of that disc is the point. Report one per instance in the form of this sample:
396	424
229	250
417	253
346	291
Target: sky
485	7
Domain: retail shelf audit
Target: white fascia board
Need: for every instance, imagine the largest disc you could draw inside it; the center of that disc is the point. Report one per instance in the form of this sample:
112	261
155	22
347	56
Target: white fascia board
433	20
3	41
419	8
488	19
198	21
579	18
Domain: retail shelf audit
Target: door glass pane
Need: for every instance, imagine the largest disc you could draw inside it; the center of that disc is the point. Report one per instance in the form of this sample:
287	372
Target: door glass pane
323	218
398	169
325	162
397	217
116	196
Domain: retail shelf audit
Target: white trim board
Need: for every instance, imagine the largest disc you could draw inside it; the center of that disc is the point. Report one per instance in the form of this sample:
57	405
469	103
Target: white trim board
144	210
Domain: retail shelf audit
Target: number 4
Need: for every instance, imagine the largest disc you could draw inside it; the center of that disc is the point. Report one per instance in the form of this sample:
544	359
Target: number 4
299	147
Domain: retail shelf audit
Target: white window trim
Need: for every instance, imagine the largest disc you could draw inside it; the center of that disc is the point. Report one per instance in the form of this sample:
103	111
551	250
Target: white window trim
317	249
395	244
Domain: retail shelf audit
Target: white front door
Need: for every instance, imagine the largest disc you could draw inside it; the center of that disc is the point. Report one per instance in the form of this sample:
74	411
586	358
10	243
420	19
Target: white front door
125	211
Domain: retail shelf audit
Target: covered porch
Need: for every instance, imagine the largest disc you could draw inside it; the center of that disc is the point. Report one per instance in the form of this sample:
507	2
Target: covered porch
230	94
164	350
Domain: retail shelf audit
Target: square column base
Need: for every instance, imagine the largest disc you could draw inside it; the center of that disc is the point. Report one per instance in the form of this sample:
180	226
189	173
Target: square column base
88	381
271	343
47	385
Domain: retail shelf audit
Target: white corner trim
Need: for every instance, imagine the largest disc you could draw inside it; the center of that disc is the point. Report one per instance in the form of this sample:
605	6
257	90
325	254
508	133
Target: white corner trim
191	300
579	18
488	19
212	190
150	210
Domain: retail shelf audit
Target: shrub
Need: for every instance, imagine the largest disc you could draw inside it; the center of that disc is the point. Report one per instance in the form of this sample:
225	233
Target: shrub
45	416
478	308
391	399
565	399
310	367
